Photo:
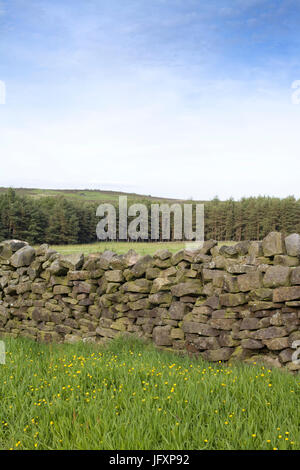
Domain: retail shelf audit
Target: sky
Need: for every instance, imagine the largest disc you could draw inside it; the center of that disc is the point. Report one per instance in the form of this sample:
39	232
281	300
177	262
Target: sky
174	98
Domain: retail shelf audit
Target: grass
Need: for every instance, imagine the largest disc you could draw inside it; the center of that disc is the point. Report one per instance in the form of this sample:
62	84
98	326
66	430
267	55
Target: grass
132	396
124	247
119	247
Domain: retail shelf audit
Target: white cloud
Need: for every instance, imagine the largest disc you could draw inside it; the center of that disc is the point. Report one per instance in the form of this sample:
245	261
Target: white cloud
152	143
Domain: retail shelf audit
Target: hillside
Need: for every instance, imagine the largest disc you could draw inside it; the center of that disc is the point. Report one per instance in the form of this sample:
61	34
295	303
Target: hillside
88	195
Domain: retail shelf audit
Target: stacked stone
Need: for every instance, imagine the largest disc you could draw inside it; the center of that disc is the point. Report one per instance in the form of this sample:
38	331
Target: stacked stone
234	302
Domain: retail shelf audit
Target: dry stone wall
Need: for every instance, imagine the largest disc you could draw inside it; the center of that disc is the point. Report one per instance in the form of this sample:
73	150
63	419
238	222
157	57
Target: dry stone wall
233	302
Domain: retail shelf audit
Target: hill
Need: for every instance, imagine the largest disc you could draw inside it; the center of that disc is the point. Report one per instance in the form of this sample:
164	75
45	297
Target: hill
89	195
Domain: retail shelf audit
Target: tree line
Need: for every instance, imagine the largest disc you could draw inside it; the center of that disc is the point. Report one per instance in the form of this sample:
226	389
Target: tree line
60	220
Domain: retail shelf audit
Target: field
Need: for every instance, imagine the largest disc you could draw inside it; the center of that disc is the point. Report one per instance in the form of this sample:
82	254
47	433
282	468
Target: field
130	395
124	247
119	247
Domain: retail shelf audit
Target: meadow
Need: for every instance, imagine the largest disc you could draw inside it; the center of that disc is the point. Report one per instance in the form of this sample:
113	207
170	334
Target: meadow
123	247
130	395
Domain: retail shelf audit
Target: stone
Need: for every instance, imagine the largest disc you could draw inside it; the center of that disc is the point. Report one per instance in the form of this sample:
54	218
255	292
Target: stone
249	343
142	265
285	260
153	273
160	298
262	305
162	254
213	301
139	285
199	328
276	319
41	314
250	324
265	360
162	264
286	355
193	287
201	258
12	245
226	339
131	258
276	276
177	310
107	332
215	355
207	246
177	333
276	343
282	294
231	284
141	304
220	262
255	249
23	257
23	287
206	343
161	284
295	276
115	275
117	263
250	281
60	290
162	336
72	339
242	248
222	323
224	314
105	258
178	257
228	250
82	275
120	324
73	262
231	300
269	333
293	303
169	272
56	269
292	244
272	244
83	288
263	293
235	268
48	337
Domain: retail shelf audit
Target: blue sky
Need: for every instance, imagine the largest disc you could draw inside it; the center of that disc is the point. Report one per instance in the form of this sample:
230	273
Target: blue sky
178	98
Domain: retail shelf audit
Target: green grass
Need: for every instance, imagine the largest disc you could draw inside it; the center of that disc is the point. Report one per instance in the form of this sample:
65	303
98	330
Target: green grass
132	396
124	247
119	247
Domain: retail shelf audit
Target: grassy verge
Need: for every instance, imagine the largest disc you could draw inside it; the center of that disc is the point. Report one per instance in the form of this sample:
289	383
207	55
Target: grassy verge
132	396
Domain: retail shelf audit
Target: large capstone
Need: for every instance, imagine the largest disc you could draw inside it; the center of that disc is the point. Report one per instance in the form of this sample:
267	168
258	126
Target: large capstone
292	244
23	257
